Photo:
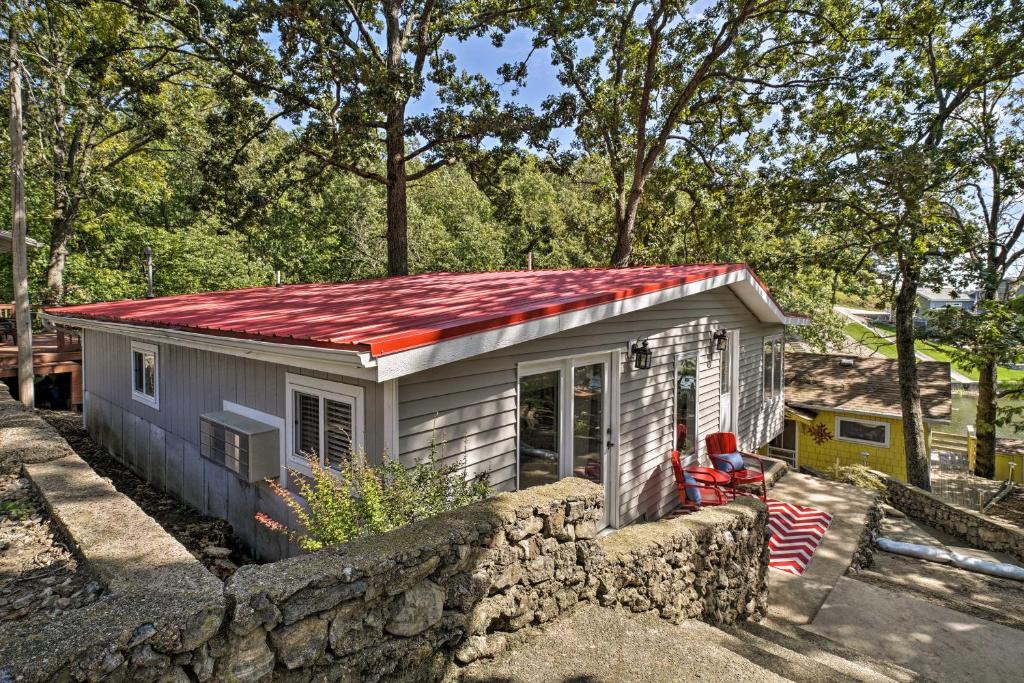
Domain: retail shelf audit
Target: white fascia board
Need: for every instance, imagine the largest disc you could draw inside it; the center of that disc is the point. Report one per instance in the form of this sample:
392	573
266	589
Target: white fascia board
756	298
404	363
355	364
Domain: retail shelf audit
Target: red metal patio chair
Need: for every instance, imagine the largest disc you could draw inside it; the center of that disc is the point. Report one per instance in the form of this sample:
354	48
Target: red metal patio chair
723	444
710	492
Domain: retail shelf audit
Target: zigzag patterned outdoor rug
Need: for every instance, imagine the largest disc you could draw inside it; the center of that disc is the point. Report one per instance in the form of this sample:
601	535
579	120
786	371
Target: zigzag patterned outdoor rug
796	532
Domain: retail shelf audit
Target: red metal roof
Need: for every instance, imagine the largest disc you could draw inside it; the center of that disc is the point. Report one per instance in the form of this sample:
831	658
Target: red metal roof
394	314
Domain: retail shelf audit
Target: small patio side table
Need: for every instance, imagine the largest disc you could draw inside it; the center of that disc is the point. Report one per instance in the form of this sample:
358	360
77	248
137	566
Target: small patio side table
720	478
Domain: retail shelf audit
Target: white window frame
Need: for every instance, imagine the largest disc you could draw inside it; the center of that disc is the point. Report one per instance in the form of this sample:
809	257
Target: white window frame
140	396
778	384
323	389
870	423
686	458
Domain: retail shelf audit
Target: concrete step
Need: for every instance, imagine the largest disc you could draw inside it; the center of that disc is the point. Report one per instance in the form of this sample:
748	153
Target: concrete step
837	660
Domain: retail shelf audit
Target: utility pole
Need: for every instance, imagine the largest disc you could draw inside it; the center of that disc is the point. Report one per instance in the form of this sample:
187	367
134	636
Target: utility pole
22	309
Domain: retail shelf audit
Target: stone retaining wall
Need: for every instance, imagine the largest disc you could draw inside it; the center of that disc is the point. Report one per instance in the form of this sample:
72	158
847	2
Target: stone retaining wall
407	605
975	528
160	605
864	556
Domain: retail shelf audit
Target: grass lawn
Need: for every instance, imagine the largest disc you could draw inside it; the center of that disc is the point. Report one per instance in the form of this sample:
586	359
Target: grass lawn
941	352
867	338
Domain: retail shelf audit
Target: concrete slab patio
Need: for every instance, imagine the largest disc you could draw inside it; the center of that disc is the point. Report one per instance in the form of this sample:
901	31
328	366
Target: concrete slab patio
797	599
937	642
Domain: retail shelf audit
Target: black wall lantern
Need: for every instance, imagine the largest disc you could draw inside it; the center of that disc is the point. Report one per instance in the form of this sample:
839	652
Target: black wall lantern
721	340
641	355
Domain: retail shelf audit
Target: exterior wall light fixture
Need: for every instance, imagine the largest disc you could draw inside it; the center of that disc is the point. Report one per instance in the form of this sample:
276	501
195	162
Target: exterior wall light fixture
641	355
721	340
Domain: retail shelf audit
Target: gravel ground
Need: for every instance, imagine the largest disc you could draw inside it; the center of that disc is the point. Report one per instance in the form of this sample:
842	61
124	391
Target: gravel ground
211	540
38	572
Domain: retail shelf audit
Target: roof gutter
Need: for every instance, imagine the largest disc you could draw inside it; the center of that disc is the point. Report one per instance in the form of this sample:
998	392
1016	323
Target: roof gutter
338	361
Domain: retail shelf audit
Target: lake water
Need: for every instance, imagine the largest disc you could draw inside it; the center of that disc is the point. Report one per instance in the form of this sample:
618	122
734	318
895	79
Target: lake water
965	408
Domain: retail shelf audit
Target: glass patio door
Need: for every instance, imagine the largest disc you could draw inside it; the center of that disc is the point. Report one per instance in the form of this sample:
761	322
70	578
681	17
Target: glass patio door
565	424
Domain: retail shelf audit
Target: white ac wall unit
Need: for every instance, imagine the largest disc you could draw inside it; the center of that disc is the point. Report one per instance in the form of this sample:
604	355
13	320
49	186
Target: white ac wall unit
247	447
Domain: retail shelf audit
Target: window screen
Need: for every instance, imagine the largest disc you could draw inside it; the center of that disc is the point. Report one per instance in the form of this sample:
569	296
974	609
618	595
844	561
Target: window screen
337	432
307	424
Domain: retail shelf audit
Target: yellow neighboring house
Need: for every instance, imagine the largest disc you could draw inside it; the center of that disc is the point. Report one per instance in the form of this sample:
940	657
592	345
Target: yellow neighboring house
848	408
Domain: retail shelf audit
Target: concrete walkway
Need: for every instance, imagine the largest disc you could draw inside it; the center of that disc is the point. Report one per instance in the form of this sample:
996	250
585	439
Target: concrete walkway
607	645
797	599
937	642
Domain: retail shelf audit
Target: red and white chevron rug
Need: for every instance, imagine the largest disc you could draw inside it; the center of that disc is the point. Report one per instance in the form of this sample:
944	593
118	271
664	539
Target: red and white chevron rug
796	532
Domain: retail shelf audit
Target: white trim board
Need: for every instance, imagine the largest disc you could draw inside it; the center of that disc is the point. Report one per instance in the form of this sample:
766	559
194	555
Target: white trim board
740	282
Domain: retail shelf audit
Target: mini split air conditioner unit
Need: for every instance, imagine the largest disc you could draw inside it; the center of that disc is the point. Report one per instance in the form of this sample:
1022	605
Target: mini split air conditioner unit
247	447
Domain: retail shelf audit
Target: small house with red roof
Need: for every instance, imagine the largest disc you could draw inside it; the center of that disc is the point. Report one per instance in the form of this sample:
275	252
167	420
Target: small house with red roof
528	376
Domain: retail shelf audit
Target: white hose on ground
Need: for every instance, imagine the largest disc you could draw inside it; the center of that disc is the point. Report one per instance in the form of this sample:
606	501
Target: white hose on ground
941	555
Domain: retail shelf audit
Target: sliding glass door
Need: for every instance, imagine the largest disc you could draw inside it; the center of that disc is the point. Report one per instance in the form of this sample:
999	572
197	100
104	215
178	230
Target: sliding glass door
565	422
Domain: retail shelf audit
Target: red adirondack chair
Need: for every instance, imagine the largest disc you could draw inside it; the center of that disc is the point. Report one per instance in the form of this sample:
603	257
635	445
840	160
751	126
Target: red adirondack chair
723	444
710	492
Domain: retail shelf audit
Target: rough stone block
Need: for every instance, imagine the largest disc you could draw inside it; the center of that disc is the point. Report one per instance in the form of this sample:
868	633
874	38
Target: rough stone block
418	609
300	644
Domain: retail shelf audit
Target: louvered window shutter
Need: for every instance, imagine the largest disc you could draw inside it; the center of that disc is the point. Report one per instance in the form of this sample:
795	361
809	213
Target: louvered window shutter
337	432
307	424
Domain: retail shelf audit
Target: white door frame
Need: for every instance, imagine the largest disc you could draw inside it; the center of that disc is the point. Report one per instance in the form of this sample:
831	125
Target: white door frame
611	409
733	349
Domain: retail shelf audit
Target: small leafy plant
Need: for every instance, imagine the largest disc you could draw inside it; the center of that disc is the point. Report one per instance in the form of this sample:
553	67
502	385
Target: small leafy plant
358	499
17	509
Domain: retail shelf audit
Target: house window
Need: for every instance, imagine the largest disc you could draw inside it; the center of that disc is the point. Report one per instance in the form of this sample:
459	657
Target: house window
772	380
540	421
324	421
685	424
862	431
146	374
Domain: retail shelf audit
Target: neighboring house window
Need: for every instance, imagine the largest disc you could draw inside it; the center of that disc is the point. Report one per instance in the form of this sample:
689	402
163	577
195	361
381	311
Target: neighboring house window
146	374
772	380
325	421
685	423
862	431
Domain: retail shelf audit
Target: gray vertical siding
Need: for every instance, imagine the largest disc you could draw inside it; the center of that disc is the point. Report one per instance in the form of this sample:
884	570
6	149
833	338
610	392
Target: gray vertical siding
468	408
470	405
162	445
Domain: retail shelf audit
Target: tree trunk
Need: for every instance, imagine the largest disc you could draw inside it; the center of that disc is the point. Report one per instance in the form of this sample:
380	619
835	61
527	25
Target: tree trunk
397	209
625	223
63	224
985	422
914	446
64	207
22	309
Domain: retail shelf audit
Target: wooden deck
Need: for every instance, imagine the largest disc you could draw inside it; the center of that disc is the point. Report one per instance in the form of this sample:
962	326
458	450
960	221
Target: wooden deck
53	353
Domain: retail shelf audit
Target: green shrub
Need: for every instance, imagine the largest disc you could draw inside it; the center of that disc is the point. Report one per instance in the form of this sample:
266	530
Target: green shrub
359	499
